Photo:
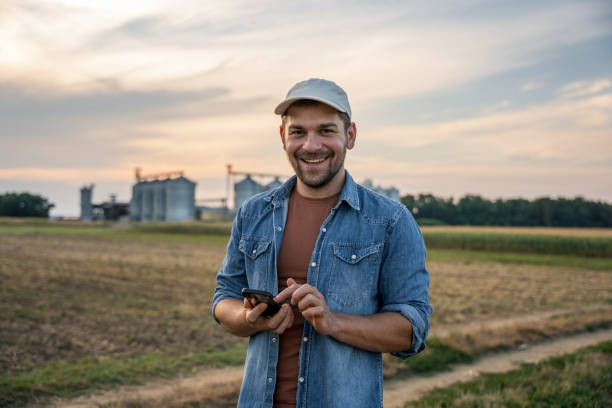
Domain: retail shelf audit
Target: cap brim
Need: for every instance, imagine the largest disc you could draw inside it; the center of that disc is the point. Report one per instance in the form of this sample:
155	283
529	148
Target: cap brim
284	105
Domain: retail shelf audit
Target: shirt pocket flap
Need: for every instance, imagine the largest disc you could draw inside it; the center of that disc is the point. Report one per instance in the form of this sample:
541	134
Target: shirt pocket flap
354	253
253	247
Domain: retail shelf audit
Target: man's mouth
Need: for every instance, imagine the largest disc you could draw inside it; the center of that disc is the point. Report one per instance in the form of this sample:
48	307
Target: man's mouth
314	161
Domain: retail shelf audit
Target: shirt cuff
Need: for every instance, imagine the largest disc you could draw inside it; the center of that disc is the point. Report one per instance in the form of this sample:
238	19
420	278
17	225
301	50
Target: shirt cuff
420	327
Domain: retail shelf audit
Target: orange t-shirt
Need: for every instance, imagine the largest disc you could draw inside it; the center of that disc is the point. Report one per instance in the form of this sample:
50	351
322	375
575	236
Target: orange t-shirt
304	219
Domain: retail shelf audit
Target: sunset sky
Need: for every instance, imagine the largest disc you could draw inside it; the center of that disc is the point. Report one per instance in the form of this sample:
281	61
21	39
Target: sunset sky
500	99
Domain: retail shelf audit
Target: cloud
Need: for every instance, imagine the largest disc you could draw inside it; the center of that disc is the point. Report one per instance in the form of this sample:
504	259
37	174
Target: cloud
553	135
585	88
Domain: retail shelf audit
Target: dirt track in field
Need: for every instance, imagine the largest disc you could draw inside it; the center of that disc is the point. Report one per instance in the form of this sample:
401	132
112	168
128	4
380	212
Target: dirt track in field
218	388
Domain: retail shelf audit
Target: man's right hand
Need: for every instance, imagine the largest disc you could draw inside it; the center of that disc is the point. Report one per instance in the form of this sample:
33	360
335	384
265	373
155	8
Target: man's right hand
277	323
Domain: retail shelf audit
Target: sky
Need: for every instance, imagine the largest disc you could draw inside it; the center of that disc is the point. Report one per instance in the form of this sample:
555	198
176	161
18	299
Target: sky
500	99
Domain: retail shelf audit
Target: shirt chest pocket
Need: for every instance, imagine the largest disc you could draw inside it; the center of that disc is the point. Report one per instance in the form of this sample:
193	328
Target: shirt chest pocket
256	258
354	274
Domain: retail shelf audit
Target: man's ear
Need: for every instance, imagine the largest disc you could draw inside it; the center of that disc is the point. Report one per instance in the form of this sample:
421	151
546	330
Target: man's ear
351	135
282	136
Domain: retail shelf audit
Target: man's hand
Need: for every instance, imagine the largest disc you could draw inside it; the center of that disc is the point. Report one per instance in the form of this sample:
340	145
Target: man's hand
311	303
278	323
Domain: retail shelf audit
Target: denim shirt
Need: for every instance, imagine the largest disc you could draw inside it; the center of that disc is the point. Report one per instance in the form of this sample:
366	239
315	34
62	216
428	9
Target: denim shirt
369	258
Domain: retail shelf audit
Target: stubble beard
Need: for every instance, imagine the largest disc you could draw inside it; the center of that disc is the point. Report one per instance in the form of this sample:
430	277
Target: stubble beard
317	178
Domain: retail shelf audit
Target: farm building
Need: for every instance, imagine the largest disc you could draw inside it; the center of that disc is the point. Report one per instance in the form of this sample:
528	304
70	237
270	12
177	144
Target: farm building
163	197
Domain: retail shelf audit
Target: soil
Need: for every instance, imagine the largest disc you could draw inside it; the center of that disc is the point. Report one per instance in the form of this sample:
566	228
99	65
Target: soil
221	385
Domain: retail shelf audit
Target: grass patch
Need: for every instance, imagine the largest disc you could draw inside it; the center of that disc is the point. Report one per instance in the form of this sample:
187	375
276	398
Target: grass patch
583	246
564	261
212	235
582	379
436	357
65	379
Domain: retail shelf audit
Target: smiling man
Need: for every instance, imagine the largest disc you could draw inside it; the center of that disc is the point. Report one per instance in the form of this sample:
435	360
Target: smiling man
347	265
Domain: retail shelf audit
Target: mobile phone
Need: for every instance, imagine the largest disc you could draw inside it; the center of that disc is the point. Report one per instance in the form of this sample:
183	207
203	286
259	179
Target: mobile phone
255	297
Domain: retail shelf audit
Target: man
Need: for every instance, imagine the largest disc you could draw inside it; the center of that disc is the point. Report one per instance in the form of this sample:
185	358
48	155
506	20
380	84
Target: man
347	265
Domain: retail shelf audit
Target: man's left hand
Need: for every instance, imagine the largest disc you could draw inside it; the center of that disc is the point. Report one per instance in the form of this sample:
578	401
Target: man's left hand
311	303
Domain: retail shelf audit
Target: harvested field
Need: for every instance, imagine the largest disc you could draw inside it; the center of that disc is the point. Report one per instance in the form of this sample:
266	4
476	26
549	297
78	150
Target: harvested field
114	304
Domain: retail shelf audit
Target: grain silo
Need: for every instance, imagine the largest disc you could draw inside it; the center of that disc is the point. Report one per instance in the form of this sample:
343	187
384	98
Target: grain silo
136	202
245	189
159	199
86	203
180	199
147	201
162	197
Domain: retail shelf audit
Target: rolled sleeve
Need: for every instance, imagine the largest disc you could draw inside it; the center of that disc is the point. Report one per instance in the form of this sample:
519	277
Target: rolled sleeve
404	283
231	277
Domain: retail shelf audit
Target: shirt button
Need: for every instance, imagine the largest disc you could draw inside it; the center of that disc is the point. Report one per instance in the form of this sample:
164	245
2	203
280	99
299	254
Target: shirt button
273	339
353	256
313	264
279	228
254	251
324	229
301	379
305	339
270	379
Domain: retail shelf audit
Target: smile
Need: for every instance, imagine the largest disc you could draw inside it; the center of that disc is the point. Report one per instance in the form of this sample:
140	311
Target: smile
314	161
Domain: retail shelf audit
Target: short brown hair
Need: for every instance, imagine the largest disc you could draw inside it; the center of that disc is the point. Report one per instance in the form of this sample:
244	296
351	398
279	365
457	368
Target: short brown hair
346	120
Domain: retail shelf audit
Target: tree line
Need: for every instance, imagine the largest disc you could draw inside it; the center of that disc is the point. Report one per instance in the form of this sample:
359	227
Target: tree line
24	205
475	210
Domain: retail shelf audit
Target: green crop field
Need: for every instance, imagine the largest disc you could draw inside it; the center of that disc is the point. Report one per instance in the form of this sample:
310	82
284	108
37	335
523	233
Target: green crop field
88	307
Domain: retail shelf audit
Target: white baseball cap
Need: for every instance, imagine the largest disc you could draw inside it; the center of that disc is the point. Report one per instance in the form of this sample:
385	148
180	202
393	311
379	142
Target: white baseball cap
316	89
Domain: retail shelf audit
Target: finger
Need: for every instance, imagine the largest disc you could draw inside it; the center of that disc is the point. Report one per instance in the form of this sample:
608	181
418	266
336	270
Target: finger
247	304
308	301
313	312
286	293
303	291
274	321
286	323
255	313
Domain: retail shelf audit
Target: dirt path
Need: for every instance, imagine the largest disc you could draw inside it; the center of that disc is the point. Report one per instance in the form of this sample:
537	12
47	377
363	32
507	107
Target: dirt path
216	384
399	392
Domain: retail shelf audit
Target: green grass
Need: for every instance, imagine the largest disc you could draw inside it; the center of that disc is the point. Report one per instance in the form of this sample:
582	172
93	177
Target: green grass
65	379
436	357
582	379
152	233
565	261
583	246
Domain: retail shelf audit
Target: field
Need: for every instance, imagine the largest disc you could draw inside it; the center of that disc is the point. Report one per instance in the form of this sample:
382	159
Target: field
92	307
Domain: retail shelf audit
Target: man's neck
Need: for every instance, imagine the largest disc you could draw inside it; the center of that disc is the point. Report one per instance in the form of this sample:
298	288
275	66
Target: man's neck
334	186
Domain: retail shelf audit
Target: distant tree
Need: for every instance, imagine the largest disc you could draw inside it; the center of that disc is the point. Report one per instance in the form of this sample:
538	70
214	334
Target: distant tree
24	205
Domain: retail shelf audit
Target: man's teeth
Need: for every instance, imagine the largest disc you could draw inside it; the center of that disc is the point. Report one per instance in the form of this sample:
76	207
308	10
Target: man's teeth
313	161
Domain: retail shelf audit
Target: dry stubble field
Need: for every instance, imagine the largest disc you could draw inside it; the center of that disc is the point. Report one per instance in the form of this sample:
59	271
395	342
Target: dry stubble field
86	308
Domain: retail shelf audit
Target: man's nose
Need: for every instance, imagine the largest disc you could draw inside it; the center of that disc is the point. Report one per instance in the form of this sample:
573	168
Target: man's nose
312	142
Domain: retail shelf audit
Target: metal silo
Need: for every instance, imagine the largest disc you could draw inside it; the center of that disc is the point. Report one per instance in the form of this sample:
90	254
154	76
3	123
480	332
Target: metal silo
147	201
86	204
159	200
136	203
180	199
244	190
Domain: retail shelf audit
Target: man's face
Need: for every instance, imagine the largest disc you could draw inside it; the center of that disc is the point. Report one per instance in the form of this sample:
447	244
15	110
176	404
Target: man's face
315	141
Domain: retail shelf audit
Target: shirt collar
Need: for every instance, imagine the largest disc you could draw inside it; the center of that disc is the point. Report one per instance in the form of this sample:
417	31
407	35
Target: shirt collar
349	192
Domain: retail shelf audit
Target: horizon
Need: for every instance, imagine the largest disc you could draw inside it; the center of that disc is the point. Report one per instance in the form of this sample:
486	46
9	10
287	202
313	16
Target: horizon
502	101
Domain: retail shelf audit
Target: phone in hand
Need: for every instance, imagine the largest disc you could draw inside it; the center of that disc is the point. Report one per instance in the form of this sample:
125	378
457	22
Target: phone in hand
255	297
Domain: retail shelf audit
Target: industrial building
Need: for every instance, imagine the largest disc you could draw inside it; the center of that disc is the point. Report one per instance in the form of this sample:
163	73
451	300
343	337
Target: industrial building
163	197
111	210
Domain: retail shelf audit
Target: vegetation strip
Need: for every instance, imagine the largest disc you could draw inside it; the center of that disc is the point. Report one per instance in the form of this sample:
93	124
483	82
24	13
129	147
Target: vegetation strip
582	379
64	379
